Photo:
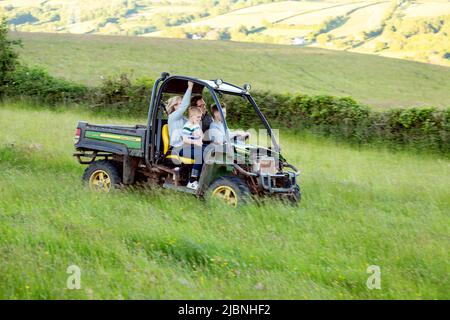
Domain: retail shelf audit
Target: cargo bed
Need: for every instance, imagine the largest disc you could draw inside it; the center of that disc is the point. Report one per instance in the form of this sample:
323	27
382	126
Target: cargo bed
123	140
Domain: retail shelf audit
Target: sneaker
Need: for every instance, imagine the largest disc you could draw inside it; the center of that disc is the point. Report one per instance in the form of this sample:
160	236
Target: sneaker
192	185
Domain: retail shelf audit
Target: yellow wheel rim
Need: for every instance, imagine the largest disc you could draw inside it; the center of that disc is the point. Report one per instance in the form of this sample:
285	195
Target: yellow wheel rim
226	194
100	181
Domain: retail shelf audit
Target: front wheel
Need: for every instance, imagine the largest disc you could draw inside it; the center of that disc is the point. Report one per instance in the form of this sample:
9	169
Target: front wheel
232	190
102	175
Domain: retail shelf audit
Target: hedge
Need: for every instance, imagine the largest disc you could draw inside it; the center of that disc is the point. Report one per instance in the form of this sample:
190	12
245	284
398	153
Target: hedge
115	94
39	85
425	127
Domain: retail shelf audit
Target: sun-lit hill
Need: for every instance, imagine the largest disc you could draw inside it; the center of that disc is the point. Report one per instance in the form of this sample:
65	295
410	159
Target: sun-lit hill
377	81
416	30
365	18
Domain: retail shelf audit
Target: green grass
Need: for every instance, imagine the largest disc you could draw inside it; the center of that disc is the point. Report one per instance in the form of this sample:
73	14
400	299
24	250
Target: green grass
270	22
377	81
361	207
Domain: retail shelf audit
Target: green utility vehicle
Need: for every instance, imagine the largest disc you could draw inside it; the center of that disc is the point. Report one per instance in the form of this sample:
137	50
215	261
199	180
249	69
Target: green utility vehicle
234	171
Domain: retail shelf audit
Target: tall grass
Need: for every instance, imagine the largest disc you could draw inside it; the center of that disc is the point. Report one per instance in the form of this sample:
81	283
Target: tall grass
361	207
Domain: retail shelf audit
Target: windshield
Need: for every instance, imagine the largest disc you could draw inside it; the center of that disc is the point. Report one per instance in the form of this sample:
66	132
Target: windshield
243	116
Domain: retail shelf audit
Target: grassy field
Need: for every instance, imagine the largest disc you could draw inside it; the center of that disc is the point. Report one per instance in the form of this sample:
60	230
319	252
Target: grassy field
363	26
361	207
365	19
377	81
254	15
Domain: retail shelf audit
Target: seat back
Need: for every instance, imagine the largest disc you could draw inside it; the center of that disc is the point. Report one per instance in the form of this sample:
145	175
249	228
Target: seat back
166	142
165	138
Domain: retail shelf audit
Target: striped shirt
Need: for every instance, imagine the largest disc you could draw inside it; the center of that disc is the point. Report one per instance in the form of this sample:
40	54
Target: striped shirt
191	131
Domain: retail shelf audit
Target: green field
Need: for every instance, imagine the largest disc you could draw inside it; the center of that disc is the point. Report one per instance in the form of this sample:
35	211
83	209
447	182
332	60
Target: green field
361	207
416	30
377	81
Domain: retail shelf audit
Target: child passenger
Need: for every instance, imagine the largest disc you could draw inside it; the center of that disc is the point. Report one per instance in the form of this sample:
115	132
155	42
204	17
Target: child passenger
192	132
192	136
217	130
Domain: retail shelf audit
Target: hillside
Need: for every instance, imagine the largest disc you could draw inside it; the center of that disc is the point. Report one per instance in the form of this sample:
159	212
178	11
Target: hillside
381	208
377	81
408	29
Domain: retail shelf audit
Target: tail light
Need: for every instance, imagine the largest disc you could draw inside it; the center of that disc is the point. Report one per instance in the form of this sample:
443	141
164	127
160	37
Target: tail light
77	135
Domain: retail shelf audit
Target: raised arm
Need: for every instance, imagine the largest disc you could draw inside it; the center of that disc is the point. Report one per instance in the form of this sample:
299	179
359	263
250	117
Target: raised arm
178	114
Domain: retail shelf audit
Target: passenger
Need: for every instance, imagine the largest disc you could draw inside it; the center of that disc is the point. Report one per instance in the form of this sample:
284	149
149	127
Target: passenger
217	130
197	101
176	106
193	148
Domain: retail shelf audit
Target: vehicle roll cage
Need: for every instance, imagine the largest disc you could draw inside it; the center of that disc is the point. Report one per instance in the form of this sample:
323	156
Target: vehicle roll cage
166	80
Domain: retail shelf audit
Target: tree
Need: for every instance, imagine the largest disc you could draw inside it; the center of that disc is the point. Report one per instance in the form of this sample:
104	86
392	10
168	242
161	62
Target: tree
212	35
8	57
380	46
323	38
174	32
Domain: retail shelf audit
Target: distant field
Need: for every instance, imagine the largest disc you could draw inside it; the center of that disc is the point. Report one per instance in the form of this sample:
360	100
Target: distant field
364	19
361	207
412	30
427	9
255	15
377	81
319	16
276	32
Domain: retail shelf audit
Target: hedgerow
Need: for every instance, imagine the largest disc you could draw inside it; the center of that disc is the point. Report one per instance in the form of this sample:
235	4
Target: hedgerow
343	117
340	117
37	84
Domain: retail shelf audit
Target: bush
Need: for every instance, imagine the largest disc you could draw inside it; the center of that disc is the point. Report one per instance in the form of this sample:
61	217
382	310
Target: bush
120	95
8	57
37	84
115	94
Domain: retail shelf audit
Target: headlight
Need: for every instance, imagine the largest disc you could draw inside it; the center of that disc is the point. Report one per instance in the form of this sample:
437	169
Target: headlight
265	165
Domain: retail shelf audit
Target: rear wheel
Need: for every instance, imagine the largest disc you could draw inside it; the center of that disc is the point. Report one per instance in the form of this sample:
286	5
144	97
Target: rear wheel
102	175
229	189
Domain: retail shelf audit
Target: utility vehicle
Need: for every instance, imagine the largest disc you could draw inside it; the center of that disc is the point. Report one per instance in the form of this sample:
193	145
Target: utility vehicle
234	172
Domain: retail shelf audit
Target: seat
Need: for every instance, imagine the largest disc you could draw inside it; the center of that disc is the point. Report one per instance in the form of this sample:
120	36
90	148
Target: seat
165	139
